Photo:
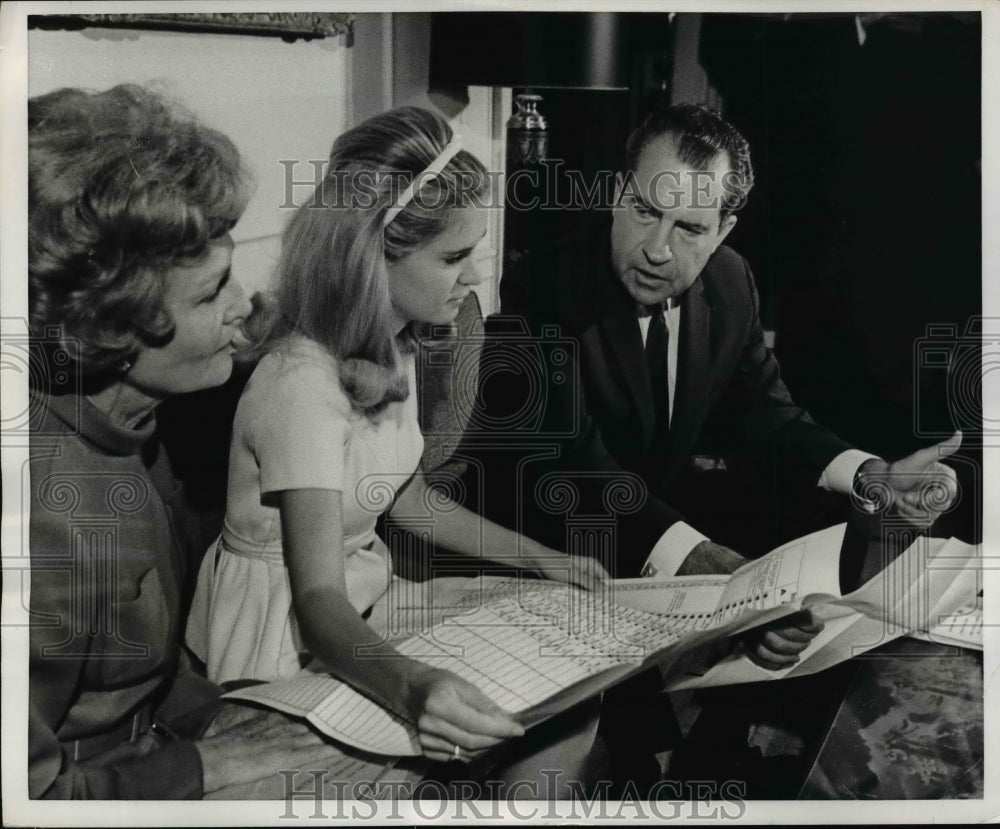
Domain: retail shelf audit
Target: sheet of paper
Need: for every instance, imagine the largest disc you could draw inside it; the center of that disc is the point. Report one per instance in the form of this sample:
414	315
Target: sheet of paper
536	647
956	617
337	710
927	581
963	628
736	668
689	600
770	587
522	642
932	576
786	576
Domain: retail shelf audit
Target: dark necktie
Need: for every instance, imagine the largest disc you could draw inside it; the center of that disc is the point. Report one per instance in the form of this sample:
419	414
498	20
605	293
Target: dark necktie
656	364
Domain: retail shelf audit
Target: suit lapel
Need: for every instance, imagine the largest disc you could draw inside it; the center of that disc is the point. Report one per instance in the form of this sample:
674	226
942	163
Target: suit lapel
612	309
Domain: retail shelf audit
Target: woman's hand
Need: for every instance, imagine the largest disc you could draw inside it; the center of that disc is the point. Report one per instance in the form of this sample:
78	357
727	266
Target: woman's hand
450	712
583	571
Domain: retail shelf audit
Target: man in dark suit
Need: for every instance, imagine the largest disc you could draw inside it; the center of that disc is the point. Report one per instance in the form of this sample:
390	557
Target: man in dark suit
618	358
667	354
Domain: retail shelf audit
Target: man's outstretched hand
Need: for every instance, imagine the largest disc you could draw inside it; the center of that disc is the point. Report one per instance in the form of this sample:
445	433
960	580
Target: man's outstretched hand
919	486
709	558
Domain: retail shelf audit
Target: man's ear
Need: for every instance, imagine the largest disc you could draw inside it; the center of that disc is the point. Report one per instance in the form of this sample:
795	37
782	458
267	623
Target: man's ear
725	226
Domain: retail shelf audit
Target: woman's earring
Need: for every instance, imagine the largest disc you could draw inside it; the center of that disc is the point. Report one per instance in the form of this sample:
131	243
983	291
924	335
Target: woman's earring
125	367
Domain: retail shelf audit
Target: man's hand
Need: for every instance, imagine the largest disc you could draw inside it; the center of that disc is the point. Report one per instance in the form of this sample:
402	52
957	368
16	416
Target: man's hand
245	748
778	644
709	558
230	715
919	486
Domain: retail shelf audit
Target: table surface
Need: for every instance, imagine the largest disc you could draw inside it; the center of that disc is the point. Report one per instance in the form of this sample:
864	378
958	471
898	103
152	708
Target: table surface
911	723
910	726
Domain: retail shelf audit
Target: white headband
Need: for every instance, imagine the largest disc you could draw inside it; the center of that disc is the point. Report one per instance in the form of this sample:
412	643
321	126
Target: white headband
433	171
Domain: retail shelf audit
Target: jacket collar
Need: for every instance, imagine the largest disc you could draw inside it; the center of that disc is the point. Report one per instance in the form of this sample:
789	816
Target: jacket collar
83	417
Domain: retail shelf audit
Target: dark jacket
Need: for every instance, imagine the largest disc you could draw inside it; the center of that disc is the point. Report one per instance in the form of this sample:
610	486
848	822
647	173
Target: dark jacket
106	539
594	409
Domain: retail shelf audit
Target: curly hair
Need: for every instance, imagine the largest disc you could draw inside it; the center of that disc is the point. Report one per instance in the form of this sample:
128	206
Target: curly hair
332	280
123	187
701	134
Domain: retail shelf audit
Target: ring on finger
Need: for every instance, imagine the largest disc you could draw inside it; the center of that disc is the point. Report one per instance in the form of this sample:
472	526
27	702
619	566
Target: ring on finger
457	753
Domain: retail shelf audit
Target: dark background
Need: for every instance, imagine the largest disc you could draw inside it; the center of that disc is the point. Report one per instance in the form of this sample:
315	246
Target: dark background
864	226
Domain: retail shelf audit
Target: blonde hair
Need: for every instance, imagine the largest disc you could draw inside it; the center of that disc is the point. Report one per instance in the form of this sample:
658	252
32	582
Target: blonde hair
332	280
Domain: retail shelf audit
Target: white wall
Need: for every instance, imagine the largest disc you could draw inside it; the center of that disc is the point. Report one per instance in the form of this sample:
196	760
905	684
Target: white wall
276	101
282	101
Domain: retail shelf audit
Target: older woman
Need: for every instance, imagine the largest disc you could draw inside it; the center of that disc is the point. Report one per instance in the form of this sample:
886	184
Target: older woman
131	301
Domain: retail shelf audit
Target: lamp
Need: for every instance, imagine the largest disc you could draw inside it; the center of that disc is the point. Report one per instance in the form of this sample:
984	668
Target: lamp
529	50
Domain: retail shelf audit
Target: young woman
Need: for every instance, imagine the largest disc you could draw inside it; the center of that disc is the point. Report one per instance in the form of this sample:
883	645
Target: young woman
326	435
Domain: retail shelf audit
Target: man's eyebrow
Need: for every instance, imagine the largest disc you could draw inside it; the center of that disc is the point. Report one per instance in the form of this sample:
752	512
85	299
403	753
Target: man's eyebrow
641	202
